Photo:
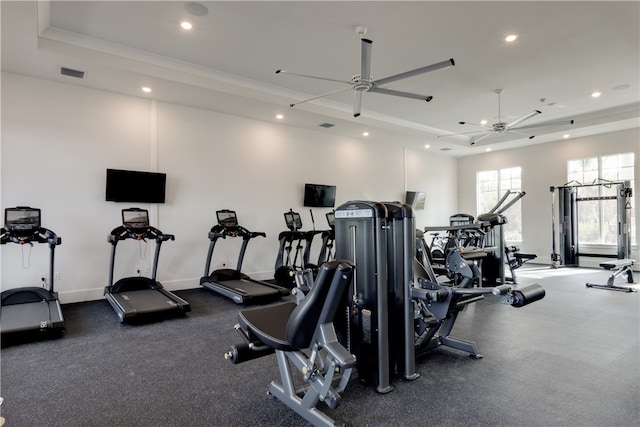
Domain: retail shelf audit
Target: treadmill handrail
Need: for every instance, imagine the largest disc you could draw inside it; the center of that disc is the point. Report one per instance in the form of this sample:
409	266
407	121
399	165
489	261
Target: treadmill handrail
123	233
220	231
39	235
148	232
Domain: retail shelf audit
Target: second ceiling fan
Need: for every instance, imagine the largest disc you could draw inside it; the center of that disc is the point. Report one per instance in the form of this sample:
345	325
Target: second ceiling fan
364	82
502	127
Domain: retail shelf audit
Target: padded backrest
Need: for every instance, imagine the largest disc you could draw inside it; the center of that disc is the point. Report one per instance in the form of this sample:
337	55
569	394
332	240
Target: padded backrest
320	304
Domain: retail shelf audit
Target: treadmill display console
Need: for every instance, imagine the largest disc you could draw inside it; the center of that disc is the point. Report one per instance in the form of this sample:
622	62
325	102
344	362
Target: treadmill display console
227	219
22	219
135	218
293	220
331	219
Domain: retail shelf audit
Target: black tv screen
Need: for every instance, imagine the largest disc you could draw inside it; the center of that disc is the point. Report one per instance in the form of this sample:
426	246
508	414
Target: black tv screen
319	196
135	186
416	199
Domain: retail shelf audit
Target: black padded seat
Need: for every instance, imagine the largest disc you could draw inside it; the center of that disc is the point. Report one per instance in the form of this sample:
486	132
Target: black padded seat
290	327
492	219
619	263
272	321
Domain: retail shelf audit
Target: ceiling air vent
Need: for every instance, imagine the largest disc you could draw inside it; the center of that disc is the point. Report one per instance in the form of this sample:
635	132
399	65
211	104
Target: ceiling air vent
326	125
445	149
72	73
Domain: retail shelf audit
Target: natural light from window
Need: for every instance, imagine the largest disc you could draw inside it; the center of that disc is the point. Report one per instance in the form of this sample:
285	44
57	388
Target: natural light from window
491	186
598	219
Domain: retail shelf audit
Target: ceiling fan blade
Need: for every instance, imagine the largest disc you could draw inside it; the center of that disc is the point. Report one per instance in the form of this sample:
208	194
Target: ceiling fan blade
521	133
523	118
312	77
469	123
320	96
465	133
357	103
444	64
365	61
402	94
558	123
475	141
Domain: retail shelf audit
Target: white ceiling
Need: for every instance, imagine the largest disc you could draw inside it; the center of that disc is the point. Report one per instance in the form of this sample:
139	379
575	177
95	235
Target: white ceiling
227	62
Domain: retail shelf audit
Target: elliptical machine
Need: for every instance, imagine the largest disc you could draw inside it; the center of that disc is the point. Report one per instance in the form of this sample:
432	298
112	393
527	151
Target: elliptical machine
286	266
328	239
139	295
30	309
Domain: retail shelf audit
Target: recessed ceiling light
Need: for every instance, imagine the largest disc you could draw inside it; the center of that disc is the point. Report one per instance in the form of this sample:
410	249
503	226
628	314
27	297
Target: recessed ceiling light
596	94
566	136
511	38
488	149
365	133
427	146
279	116
483	122
146	89
186	25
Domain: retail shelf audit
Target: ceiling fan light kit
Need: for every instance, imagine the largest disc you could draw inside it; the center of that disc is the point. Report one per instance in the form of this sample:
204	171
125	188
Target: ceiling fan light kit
364	82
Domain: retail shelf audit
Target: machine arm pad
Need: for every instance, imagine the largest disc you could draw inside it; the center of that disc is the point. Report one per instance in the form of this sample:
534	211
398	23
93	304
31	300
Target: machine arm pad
524	296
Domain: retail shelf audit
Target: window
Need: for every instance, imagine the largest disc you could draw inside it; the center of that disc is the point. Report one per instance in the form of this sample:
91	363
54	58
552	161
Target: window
597	220
492	185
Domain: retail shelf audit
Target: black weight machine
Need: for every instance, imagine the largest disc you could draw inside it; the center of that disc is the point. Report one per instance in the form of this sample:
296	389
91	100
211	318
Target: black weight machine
499	254
468	238
31	309
232	283
393	292
133	297
371	312
569	199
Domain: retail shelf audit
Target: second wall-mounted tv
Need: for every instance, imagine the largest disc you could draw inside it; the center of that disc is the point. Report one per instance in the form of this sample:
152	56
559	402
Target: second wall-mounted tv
135	186
319	196
416	199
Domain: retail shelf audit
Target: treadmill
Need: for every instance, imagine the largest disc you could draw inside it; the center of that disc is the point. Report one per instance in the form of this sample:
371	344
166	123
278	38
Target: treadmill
32	309
139	296
231	283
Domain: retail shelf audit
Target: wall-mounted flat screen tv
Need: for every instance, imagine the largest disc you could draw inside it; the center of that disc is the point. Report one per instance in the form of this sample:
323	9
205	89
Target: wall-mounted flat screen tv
319	196
135	186
416	199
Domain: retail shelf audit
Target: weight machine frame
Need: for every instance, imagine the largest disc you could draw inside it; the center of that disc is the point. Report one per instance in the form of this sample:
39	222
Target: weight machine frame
566	239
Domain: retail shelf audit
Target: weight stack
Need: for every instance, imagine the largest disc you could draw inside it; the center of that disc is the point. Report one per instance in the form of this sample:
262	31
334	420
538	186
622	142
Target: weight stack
361	237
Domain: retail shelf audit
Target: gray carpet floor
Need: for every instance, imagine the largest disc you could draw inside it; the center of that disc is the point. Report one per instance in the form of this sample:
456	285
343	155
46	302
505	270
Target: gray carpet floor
571	359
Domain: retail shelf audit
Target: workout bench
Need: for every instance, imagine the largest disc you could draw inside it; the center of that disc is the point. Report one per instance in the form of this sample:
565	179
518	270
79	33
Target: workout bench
618	267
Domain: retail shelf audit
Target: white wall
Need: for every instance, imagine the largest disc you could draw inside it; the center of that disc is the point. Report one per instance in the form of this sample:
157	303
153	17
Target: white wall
437	177
544	166
58	139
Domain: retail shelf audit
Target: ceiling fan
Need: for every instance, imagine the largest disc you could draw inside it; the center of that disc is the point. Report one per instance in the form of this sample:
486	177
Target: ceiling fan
364	82
502	127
